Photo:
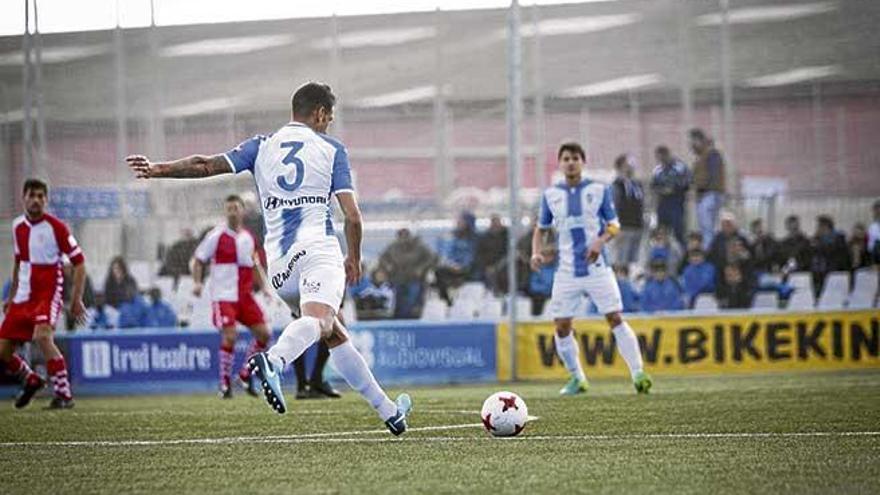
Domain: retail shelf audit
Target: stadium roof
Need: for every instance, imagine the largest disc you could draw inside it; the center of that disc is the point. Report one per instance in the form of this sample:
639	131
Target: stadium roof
597	51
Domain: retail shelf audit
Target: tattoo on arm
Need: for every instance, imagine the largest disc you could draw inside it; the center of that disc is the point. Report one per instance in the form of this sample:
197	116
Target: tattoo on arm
192	167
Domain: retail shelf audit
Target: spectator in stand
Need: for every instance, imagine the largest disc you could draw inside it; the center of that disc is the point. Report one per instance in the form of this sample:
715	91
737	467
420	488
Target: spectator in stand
670	183
874	234
708	182
723	249
699	276
765	248
407	261
629	200
101	316
628	294
374	299
661	292
540	282
734	290
859	255
176	263
694	240
830	252
662	246
491	248
159	313
133	313
119	286
795	250
457	255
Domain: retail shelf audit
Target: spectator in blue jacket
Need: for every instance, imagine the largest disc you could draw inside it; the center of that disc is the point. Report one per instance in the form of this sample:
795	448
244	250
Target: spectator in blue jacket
159	313
540	283
376	299
670	183
102	316
699	276
661	292
133	313
457	256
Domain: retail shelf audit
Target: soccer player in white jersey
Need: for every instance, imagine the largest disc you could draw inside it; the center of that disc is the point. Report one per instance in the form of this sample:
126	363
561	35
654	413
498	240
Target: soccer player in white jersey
297	170
582	213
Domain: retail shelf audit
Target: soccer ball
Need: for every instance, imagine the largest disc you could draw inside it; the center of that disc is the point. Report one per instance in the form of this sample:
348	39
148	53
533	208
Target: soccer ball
504	414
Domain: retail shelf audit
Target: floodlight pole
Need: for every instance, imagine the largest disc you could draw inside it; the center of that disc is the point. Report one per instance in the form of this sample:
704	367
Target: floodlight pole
27	123
514	160
727	101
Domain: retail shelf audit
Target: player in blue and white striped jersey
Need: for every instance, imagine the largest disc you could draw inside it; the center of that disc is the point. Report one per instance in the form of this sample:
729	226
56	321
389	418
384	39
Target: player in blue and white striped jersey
582	213
297	170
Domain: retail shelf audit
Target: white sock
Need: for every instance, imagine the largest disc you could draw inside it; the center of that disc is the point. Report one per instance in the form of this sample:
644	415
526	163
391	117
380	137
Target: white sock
628	346
567	348
351	365
298	336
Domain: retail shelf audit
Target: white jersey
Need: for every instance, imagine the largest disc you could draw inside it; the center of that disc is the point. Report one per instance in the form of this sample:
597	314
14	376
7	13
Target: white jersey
296	170
579	214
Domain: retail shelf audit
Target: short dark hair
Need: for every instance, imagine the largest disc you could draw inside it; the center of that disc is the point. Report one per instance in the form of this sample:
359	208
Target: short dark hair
236	198
697	133
34	185
620	161
662	150
571	147
825	220
311	96
792	218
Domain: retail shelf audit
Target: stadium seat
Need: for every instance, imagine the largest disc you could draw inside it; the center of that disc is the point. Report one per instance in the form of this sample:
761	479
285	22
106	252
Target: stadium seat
142	273
801	298
769	279
465	307
801	280
706	302
434	310
864	293
835	291
765	300
491	309
165	285
474	291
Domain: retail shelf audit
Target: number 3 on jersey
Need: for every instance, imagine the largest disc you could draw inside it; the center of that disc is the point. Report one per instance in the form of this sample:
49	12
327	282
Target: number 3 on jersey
294	146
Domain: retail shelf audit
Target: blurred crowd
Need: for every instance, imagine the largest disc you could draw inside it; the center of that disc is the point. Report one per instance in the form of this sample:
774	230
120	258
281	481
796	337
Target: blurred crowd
665	270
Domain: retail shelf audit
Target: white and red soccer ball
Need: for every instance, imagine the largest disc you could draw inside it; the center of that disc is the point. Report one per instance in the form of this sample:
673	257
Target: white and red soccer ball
504	414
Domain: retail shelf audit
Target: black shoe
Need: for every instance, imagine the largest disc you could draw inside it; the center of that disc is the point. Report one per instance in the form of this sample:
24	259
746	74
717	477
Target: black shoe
225	389
249	386
324	389
28	391
303	393
60	403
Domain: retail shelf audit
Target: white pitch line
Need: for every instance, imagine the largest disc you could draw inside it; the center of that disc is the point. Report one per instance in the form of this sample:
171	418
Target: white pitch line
334	438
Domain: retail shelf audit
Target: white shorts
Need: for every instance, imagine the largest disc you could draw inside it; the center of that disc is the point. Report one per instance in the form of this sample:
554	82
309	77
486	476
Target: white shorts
569	291
312	269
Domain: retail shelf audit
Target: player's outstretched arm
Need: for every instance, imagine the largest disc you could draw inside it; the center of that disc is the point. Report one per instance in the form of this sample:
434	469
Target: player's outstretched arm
191	167
354	233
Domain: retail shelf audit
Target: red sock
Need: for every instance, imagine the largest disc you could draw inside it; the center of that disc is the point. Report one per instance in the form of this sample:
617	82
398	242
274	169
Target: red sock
255	347
57	370
227	355
19	368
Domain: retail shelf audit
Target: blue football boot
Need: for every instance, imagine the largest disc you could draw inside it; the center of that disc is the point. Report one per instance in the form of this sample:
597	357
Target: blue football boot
270	379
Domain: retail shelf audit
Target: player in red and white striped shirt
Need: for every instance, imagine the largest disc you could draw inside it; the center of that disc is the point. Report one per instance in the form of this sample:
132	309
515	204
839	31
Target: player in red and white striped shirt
35	299
231	251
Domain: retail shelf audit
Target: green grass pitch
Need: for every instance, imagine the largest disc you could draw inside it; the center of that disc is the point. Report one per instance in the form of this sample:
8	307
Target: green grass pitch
774	433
